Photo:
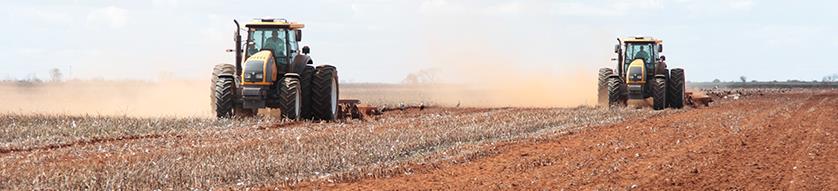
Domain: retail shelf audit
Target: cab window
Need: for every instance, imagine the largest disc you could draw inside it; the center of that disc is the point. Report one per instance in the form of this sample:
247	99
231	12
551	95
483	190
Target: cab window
292	42
267	39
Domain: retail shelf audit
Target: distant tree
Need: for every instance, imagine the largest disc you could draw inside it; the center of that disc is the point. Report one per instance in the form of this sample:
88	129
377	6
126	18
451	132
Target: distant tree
55	75
743	78
754	81
717	81
421	77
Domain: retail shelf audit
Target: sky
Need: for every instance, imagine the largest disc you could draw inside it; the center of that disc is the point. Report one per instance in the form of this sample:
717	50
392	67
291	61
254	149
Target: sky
385	40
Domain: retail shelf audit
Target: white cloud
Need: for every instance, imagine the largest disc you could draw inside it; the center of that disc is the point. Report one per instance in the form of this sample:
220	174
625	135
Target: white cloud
438	6
741	4
609	8
716	7
113	17
42	15
167	4
789	35
505	8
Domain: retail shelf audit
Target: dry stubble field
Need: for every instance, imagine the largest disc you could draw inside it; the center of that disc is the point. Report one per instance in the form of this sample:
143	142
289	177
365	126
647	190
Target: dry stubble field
446	148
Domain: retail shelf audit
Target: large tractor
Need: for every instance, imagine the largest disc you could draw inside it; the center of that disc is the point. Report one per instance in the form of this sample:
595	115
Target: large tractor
272	71
641	73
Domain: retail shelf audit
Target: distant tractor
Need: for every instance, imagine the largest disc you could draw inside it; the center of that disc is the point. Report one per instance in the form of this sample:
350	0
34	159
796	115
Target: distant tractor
272	71
641	73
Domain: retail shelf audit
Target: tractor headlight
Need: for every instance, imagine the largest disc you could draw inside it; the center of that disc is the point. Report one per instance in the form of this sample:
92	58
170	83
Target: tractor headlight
259	76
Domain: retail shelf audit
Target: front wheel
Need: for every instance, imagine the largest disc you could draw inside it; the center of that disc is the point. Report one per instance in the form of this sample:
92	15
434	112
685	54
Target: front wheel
223	97
616	92
289	98
659	94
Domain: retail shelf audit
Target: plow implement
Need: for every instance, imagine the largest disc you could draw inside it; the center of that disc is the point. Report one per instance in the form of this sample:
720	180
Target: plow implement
695	100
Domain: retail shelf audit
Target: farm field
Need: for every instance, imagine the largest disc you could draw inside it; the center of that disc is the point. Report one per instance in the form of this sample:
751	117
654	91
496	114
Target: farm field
103	152
784	141
785	138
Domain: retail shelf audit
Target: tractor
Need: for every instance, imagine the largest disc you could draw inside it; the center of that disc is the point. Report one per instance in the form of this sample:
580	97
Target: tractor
272	71
641	73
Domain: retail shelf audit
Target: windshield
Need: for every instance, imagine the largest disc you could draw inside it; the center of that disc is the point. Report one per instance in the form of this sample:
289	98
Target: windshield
641	51
267	39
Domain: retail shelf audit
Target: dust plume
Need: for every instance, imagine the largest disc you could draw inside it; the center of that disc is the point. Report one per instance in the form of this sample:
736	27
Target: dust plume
516	63
109	98
475	82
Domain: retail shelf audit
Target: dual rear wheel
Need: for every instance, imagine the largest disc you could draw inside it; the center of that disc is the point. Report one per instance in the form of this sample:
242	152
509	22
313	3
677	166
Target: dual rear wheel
317	100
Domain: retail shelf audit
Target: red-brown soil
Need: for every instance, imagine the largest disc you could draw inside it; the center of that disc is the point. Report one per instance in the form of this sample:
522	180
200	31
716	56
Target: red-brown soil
783	141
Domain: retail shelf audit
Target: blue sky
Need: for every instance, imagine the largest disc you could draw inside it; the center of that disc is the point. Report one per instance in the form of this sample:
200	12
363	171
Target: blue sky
384	40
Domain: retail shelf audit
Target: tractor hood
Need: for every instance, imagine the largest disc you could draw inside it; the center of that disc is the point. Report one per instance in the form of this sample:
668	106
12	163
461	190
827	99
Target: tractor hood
259	69
636	72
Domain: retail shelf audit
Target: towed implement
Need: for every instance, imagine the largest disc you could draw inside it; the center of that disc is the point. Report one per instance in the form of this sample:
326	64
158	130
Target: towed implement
272	71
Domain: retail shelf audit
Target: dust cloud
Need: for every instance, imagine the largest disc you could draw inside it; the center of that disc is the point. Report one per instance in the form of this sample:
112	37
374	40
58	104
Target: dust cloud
496	82
526	64
188	98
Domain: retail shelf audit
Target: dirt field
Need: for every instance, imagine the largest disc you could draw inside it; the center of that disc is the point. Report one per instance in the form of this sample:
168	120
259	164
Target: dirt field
777	140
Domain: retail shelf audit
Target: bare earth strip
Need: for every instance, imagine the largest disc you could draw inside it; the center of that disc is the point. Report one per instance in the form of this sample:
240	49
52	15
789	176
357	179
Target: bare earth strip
773	142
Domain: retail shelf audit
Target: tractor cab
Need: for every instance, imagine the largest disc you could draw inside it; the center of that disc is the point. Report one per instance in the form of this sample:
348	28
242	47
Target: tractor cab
641	55
270	45
276	35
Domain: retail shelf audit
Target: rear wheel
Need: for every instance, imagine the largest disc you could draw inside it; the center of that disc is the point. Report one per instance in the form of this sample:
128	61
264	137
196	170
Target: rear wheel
325	91
676	88
305	85
616	92
602	85
659	94
290	101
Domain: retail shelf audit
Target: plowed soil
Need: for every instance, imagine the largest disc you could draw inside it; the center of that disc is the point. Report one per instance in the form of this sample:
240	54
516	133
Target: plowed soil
783	141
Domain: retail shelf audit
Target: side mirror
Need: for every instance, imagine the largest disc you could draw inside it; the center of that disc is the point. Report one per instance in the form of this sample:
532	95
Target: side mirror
660	48
299	35
617	48
306	50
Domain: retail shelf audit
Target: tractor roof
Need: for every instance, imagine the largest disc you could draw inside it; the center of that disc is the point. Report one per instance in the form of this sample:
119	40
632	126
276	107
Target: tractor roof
640	39
271	22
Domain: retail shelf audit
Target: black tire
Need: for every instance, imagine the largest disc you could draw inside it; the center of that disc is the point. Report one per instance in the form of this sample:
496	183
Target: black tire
223	101
305	82
602	85
290	101
659	94
222	90
325	93
616	92
676	88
